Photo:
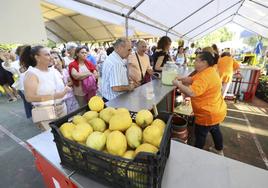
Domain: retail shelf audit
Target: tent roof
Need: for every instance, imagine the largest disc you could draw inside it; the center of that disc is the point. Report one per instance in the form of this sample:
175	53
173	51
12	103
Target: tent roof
67	25
188	19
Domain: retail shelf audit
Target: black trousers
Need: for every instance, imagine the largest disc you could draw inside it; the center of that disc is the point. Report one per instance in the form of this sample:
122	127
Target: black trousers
201	132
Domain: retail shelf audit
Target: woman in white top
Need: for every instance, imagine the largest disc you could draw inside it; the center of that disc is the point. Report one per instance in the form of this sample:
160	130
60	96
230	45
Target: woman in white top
70	100
180	57
16	69
42	86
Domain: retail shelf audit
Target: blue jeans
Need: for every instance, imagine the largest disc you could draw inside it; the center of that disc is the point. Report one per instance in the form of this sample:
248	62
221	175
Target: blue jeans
201	132
27	105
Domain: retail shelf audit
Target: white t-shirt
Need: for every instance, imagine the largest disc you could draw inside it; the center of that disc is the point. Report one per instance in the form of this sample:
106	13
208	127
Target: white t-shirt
49	83
14	68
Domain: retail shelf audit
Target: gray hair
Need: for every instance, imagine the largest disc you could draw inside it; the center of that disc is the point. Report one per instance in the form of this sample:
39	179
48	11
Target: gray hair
120	42
140	42
70	45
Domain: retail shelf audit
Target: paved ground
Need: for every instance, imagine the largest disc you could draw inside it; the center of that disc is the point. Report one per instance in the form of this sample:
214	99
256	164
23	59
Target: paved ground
245	133
17	163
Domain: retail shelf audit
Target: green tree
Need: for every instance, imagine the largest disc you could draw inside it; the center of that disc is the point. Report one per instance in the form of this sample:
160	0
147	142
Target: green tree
252	41
8	46
50	44
220	35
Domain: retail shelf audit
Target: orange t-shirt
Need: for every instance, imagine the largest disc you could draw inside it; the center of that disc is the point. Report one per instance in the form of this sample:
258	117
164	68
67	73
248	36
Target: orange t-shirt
208	104
226	66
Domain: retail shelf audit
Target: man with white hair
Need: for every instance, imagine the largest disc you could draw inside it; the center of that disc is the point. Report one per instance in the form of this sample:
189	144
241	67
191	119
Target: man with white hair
70	47
139	64
114	73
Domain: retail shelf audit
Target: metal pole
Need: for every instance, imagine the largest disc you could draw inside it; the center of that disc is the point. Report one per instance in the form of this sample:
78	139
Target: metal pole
189	16
212	18
123	15
245	27
213	26
54	33
126	27
266	27
212	30
130	12
265	6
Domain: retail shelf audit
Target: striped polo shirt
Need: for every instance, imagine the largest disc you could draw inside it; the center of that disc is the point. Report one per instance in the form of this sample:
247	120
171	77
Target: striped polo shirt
114	73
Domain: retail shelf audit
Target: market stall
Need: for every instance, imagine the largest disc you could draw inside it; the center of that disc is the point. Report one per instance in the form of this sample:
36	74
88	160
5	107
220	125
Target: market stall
187	167
248	86
149	95
184	164
146	97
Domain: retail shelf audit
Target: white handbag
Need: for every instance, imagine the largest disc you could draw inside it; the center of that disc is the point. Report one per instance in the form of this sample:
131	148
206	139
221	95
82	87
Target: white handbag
43	113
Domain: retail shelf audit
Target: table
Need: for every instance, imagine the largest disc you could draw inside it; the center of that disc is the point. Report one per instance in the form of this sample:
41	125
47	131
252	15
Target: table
250	80
47	161
140	98
187	167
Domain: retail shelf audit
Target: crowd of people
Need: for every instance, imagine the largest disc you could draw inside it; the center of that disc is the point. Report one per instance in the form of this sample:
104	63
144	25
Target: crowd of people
61	81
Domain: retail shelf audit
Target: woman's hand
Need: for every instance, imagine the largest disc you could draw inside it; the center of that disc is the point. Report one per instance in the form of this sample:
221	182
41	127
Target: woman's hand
176	82
96	74
60	95
150	71
131	86
187	80
2	56
179	78
67	89
183	88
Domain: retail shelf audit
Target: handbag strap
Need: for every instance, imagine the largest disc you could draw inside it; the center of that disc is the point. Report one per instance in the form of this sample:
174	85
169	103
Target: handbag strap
55	81
139	65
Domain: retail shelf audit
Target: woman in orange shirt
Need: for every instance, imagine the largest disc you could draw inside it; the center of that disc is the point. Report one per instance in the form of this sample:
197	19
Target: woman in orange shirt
226	67
207	102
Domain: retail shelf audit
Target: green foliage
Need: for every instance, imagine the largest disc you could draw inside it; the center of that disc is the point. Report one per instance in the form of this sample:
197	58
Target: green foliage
50	44
8	46
220	35
262	89
252	41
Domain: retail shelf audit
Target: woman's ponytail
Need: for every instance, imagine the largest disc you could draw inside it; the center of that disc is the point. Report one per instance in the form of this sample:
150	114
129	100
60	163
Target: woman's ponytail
27	56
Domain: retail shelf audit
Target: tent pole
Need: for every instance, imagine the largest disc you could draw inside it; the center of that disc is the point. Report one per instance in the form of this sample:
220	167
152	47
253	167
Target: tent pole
120	14
213	26
189	16
130	12
54	33
212	18
126	27
212	30
246	28
259	3
253	21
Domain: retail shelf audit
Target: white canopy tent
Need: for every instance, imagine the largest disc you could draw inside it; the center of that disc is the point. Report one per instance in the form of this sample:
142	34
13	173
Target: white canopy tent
188	19
64	25
104	20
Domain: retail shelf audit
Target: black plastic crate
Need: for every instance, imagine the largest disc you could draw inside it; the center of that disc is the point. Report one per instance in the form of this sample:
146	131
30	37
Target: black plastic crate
145	170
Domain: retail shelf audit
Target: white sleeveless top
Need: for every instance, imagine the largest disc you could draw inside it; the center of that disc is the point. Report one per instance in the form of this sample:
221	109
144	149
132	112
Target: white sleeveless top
49	83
